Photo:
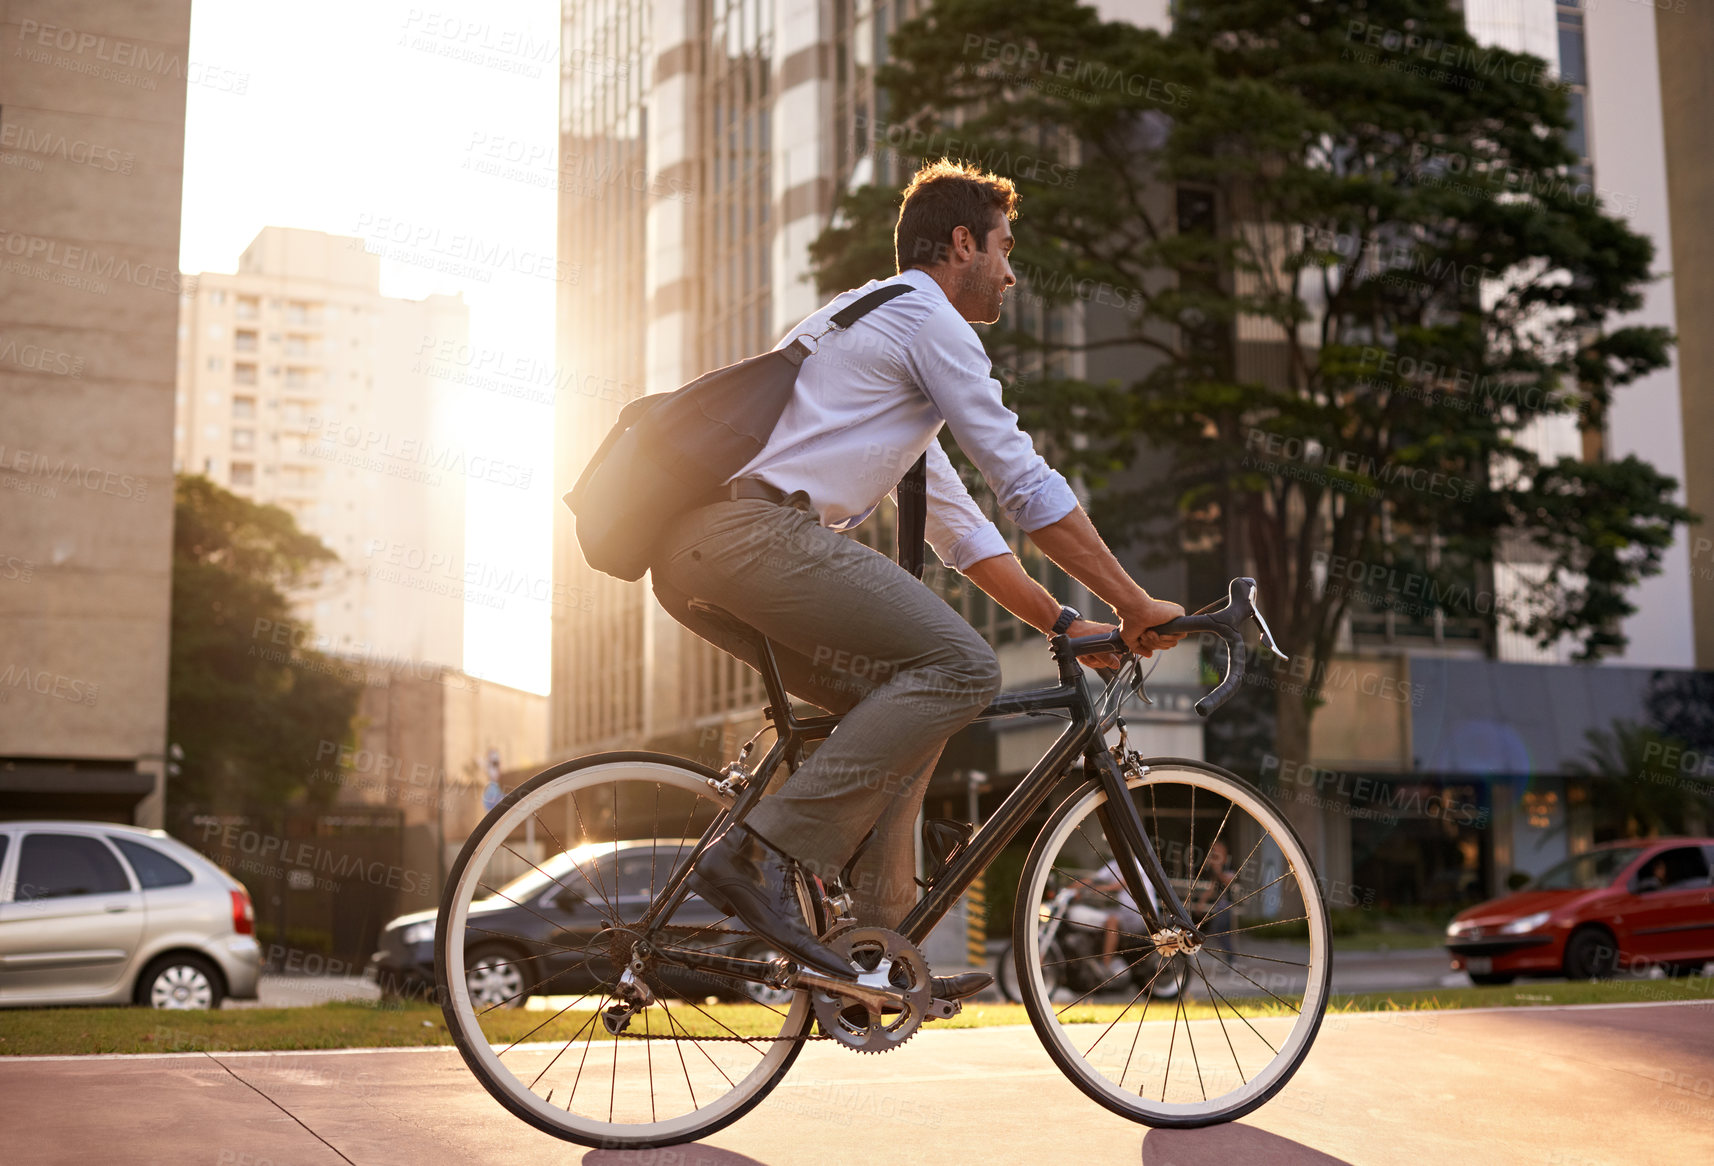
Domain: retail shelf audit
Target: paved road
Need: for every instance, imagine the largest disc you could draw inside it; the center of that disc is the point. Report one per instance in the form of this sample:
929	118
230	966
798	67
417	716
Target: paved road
1560	1087
304	991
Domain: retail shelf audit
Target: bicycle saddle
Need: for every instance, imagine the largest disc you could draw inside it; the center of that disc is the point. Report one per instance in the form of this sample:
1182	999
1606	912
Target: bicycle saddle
726	619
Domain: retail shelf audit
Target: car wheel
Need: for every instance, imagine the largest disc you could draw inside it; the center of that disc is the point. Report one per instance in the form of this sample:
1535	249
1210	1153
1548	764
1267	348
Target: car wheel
1490	979
495	976
181	981
1591	954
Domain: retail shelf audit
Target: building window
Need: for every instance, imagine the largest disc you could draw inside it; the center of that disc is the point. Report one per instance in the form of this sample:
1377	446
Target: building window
1574	71
248	307
243	408
244	341
243	473
215	364
217	296
244	374
243	439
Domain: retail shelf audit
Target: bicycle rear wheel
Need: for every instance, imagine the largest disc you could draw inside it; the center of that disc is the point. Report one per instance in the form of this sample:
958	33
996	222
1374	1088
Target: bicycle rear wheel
544	901
1253	996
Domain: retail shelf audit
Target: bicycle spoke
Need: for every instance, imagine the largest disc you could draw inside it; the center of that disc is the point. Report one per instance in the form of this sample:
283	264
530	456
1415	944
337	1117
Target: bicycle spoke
1100	986
1166	1077
1240	1016
1145	988
582	830
1240	871
1213	1000
527	992
1288	873
524	939
1287	1003
1255	926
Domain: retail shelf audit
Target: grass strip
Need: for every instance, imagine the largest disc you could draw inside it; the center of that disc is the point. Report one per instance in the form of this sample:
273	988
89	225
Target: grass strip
352	1024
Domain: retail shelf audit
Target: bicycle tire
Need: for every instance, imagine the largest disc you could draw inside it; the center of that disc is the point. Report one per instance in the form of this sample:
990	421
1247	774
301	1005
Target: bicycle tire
457	1023
1083	802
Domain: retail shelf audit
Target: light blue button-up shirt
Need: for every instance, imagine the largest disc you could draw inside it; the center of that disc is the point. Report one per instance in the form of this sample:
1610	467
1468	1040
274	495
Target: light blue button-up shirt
873	398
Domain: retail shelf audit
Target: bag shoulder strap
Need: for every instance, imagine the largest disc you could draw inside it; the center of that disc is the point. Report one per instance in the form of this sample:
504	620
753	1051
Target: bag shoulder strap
858	308
913	487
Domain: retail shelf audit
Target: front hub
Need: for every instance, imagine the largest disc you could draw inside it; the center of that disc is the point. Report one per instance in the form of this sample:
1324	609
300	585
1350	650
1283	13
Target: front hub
1171	941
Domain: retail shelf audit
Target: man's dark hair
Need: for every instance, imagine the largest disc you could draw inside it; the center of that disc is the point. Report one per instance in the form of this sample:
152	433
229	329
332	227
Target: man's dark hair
945	195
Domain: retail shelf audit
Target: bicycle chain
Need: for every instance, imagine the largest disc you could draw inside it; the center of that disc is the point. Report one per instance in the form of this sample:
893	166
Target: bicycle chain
726	1039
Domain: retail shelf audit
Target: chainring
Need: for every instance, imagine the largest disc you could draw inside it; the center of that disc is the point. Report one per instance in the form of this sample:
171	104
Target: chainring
888	955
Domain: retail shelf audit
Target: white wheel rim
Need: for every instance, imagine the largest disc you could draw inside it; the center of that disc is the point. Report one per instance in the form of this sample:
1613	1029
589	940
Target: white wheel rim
181	986
463	1014
1302	1030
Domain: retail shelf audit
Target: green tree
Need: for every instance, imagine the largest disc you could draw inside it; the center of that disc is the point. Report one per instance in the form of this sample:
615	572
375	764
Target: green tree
1635	794
1362	263
247	703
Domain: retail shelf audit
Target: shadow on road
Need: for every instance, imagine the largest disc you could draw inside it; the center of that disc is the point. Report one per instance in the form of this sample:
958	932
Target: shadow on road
1223	1145
691	1155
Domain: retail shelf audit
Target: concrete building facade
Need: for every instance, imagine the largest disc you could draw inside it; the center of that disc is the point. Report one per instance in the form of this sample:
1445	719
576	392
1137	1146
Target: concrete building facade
302	386
92	115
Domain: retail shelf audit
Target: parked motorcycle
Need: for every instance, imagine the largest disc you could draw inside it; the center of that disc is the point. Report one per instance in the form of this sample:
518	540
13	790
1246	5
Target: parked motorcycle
1071	941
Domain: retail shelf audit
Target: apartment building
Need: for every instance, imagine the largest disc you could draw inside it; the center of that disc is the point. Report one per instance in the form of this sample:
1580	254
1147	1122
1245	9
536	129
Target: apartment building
92	121
300	385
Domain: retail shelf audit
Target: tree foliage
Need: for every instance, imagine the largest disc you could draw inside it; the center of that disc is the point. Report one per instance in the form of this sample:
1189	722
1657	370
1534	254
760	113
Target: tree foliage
1371	283
249	711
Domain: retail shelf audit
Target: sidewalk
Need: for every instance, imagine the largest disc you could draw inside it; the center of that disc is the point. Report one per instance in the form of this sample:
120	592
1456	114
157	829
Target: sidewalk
1537	1085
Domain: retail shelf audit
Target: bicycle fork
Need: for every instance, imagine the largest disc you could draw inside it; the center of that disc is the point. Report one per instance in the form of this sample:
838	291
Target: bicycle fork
1139	865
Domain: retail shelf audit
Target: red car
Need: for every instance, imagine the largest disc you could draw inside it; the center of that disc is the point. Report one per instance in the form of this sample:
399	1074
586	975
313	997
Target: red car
1621	905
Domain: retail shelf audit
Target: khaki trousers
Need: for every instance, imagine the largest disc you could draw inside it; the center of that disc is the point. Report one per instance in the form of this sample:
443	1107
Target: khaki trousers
855	634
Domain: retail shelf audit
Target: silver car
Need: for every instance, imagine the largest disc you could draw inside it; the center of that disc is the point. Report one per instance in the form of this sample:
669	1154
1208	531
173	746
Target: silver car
95	913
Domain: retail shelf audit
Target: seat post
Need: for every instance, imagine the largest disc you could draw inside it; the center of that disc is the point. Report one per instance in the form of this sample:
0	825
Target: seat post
779	702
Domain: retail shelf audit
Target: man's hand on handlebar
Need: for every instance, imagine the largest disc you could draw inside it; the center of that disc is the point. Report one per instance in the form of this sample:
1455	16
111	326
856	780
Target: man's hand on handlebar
1138	618
1105	661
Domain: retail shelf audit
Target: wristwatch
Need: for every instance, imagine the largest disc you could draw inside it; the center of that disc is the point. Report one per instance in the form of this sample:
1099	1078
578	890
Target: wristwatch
1067	617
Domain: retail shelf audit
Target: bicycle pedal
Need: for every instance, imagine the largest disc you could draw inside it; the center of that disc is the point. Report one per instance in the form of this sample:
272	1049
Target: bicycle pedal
943	1009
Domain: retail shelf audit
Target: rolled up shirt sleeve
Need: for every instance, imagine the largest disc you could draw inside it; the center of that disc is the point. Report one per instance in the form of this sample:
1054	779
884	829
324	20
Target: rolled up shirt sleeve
956	528
950	365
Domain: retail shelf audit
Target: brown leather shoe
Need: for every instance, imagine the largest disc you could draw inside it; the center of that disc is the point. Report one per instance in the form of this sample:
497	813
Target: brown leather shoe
745	877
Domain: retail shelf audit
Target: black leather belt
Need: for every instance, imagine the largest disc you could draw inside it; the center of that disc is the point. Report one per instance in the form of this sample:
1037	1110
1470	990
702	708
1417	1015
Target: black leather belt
743	488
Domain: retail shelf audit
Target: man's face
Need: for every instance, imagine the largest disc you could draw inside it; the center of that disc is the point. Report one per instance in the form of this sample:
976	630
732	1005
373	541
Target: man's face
991	273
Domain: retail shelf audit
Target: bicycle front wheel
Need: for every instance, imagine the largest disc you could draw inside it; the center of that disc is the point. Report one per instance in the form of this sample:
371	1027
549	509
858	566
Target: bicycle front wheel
1252	995
541	917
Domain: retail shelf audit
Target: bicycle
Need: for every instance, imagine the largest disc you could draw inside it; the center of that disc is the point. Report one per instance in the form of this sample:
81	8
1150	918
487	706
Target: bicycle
602	920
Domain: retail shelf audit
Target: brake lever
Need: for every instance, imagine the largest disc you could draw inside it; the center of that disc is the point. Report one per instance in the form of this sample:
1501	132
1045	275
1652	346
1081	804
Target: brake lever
1267	634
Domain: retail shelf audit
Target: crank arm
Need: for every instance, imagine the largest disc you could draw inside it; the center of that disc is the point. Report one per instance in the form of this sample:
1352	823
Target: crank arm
874	999
783	974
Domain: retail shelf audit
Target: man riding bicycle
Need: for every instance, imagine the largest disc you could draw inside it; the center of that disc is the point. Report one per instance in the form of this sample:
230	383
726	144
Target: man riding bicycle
853	632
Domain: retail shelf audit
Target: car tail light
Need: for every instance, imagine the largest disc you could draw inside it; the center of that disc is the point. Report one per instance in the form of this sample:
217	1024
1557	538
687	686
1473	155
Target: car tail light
243	913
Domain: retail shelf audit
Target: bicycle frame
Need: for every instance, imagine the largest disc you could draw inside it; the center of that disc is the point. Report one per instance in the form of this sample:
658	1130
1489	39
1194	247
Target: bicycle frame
1119	817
